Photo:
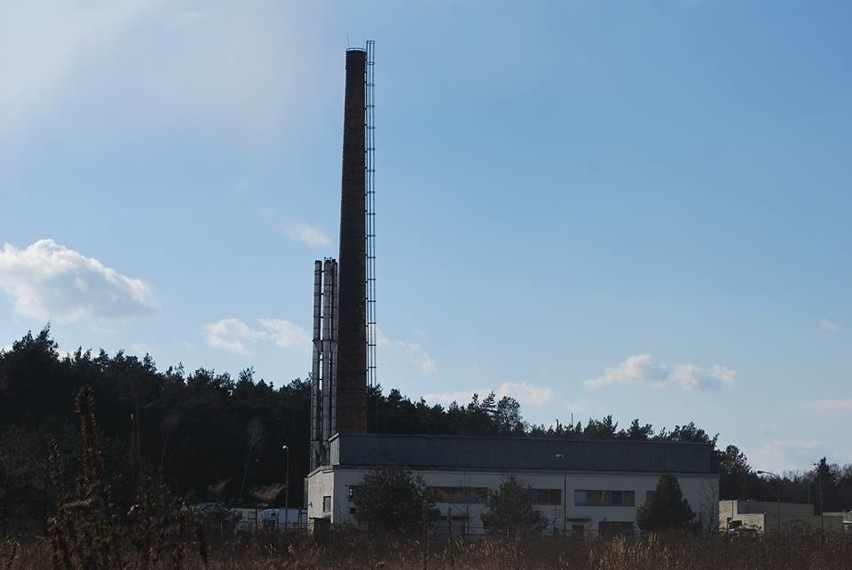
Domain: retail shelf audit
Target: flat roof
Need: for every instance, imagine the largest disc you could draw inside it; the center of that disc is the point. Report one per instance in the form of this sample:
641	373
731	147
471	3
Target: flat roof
520	453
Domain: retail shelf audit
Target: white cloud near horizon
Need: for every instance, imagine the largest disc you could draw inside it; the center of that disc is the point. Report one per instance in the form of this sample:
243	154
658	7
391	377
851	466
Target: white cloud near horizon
535	396
140	348
528	395
49	281
826	325
641	370
233	335
461	397
578	406
781	456
284	333
833	405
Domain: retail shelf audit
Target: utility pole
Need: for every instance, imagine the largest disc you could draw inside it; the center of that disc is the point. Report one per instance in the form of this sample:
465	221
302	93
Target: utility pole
286	485
819	495
778	496
561	457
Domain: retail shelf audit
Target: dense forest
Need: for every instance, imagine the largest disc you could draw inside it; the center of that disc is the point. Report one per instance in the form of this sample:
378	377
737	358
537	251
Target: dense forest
208	436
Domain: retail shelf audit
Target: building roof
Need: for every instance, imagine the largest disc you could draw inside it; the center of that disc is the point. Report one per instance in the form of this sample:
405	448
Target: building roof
519	453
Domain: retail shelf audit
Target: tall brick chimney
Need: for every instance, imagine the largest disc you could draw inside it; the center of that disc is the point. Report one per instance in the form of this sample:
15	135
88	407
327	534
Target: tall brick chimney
352	316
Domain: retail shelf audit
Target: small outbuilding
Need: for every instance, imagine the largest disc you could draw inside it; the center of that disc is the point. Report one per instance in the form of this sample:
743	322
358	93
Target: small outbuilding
774	516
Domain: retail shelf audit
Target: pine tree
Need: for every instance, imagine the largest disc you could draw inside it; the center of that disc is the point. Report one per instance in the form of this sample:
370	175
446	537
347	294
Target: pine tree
665	509
511	511
391	499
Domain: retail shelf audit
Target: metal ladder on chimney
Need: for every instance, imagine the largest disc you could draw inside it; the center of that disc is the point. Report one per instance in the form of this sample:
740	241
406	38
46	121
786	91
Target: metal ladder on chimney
370	174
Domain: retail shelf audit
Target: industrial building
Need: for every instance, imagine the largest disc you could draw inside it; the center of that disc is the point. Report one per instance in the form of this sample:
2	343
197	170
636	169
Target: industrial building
581	487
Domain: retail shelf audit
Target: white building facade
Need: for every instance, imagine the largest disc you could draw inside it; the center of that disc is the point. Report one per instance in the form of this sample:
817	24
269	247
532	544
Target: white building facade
581	487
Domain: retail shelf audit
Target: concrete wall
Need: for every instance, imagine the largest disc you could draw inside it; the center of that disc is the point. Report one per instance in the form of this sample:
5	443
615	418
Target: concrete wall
334	483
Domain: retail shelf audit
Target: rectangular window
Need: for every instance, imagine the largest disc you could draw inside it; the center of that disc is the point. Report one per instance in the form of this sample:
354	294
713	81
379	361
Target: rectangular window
456	495
326	504
547	496
590	498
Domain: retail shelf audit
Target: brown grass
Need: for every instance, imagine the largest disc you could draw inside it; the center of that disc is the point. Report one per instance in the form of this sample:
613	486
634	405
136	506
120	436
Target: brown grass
358	550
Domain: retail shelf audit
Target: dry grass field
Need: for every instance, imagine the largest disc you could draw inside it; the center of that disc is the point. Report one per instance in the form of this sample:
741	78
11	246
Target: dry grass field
359	550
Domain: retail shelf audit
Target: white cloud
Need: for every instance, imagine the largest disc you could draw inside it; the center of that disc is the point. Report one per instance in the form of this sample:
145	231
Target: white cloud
780	456
413	354
298	231
140	348
578	406
833	405
462	397
403	359
284	333
426	365
51	282
306	234
826	325
382	340
526	394
233	335
640	370
636	370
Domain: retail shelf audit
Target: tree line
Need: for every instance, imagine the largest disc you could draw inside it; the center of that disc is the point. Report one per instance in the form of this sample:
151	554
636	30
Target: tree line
210	436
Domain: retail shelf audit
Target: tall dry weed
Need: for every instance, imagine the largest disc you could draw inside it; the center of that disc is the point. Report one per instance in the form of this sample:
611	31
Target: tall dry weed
8	553
85	530
87	533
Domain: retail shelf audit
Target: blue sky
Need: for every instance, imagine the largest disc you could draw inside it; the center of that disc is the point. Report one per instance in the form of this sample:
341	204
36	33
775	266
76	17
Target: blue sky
628	208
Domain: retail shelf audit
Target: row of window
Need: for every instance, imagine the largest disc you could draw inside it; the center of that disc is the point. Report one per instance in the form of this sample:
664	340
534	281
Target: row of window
478	495
455	495
582	497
